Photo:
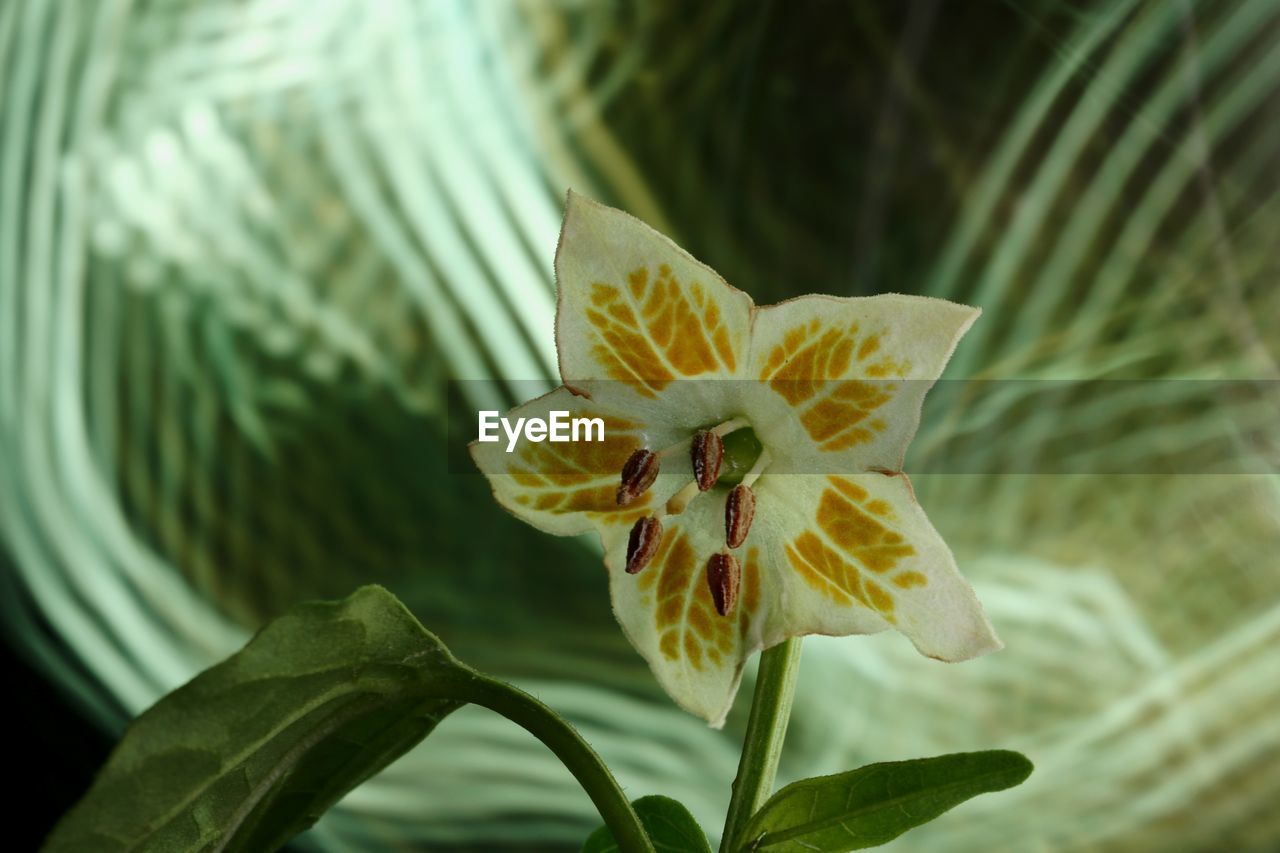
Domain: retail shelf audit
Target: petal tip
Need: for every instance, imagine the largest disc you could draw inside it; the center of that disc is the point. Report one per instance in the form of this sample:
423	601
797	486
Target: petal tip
703	705
573	200
978	644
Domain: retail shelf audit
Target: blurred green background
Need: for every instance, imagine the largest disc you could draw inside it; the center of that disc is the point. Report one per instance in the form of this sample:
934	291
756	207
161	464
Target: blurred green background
245	244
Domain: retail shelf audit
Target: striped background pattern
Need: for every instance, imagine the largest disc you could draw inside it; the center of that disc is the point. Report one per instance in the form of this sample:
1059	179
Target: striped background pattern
244	245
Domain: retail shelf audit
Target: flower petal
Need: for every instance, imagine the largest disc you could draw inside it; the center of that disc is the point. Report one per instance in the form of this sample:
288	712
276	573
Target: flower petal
841	380
567	488
826	555
855	555
634	308
668	614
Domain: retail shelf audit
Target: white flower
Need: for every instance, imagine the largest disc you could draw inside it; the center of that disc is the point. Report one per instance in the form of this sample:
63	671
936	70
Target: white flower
821	394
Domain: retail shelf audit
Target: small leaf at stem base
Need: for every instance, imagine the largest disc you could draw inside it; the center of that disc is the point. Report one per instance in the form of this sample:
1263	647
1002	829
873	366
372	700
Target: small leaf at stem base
670	826
872	805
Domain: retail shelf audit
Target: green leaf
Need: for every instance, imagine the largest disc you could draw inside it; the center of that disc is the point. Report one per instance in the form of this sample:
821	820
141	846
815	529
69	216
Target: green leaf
875	804
670	826
253	750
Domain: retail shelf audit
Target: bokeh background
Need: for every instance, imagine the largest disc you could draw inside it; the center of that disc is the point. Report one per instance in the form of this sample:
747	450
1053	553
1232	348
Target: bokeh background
245	245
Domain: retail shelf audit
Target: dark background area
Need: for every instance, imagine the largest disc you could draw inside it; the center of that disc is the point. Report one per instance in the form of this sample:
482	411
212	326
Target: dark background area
55	752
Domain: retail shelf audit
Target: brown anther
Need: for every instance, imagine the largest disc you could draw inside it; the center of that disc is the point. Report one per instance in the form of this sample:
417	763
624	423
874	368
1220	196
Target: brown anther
637	475
723	575
739	512
646	534
707	452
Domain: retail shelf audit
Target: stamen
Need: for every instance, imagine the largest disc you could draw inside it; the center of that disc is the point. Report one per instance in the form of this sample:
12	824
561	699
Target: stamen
706	452
762	462
723	576
739	512
638	474
643	543
681	499
721	430
731	425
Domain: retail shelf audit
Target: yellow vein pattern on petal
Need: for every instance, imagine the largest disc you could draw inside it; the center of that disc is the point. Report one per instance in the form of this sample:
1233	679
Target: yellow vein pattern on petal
580	476
688	627
856	551
655	330
811	368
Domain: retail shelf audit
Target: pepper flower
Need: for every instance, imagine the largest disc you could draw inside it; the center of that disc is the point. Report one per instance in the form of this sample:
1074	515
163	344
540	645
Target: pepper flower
749	484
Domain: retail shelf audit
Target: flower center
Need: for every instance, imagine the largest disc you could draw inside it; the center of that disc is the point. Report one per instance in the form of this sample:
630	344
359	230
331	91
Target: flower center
742	450
729	456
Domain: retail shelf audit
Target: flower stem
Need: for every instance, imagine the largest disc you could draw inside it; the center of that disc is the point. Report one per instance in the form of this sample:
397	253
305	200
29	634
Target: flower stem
762	746
574	752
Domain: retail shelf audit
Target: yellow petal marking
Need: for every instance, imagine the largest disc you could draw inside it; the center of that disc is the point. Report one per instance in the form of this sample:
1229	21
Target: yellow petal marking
857	545
580	476
825	570
658	329
810	369
685	616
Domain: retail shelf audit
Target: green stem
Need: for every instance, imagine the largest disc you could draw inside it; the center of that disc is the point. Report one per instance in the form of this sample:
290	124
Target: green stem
574	752
762	746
